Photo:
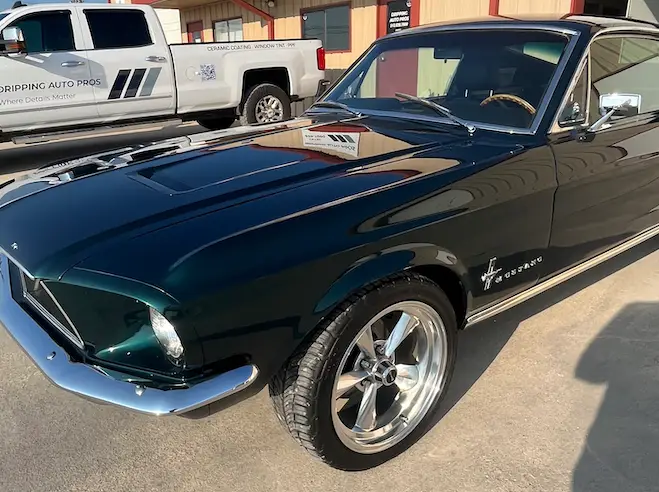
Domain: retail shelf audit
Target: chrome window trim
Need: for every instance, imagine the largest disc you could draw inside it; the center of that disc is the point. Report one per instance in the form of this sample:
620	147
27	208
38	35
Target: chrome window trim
481	26
546	98
555	126
70	334
16	263
585	57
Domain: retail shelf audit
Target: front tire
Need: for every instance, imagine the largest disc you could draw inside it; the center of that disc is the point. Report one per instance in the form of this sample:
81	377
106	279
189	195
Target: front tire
265	103
366	387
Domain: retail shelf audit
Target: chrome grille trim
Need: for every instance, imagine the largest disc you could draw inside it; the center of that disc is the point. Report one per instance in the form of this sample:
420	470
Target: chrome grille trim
71	332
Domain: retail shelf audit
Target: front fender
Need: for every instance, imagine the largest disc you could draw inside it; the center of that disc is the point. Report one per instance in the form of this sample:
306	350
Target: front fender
386	263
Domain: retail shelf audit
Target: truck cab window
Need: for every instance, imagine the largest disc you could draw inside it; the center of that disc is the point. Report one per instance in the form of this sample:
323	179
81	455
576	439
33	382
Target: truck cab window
46	32
134	31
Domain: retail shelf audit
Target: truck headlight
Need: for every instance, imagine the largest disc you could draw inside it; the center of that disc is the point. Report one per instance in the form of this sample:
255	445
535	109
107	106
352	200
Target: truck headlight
166	334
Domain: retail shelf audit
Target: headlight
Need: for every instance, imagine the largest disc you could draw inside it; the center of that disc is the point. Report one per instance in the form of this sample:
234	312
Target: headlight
166	334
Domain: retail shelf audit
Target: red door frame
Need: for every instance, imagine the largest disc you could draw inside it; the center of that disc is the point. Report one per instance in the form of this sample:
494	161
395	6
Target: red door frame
415	15
194	27
577	6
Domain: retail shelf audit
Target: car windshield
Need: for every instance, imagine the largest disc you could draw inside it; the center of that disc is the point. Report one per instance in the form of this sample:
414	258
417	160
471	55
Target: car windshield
493	77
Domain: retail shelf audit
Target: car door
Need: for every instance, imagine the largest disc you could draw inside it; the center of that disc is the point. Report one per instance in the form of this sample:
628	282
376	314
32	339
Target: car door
50	84
608	179
133	63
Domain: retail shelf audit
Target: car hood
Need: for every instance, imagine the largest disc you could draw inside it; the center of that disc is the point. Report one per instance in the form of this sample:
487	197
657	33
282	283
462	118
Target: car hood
57	216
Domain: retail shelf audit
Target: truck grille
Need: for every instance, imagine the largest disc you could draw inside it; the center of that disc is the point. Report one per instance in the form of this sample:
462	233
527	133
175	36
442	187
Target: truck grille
40	298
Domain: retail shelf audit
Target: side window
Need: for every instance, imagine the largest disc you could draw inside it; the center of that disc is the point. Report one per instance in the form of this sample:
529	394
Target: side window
133	30
46	32
624	69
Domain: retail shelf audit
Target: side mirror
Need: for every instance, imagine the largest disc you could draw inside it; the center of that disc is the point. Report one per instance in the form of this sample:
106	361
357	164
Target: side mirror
611	105
621	104
12	41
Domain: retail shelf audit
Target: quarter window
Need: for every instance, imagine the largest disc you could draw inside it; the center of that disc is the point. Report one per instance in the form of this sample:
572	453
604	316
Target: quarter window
118	29
228	30
331	25
574	111
47	32
624	65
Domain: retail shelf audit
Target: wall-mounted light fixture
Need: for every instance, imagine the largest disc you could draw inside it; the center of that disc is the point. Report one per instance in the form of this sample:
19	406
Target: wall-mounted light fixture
271	3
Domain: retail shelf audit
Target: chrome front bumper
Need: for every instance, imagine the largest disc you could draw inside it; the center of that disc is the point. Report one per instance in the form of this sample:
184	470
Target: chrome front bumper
90	382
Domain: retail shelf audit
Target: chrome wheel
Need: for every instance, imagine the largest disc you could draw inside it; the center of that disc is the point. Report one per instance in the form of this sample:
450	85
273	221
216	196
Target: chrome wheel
389	377
269	109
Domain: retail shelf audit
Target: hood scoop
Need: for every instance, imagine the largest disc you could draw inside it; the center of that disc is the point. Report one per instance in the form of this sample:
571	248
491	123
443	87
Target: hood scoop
70	170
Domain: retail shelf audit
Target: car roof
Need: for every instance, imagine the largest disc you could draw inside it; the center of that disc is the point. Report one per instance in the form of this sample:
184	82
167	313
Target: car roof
579	23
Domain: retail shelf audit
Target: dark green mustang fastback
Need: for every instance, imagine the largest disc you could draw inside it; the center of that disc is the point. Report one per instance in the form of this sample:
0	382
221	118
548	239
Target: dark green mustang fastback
453	172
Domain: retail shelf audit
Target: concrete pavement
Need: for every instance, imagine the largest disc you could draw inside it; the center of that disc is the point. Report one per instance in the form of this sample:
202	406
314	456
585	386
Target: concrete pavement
559	394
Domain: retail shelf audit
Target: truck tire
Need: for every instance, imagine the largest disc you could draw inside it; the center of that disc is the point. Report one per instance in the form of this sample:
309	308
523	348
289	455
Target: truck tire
265	103
217	123
393	343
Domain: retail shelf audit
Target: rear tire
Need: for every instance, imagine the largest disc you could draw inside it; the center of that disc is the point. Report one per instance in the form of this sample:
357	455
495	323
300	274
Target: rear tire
217	123
313	394
265	103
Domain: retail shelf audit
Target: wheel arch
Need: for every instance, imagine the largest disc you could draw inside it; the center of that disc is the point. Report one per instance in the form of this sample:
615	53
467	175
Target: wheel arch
436	263
279	76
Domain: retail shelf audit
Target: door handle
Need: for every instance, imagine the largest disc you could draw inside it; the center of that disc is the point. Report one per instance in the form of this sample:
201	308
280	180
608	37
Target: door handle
153	58
73	63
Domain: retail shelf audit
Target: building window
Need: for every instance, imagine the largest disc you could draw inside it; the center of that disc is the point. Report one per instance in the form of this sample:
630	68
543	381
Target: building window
228	30
331	25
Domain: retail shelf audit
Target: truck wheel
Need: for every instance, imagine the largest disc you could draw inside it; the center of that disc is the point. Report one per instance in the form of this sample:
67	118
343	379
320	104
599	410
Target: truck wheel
217	123
266	103
366	387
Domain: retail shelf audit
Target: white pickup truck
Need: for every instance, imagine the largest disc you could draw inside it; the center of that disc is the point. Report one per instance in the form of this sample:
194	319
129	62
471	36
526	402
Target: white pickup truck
75	67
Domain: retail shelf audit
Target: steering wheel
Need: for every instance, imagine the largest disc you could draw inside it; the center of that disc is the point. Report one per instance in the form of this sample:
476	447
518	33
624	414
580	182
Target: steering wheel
512	98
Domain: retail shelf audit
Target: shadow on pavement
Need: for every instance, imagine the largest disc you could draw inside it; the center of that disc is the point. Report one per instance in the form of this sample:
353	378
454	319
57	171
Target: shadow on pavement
620	452
611	360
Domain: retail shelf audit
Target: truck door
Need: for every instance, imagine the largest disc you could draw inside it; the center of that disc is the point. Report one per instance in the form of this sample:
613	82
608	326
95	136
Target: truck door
50	85
131	58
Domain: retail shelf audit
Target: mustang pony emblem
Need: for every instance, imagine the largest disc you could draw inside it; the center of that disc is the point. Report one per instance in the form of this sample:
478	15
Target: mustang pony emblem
492	273
488	276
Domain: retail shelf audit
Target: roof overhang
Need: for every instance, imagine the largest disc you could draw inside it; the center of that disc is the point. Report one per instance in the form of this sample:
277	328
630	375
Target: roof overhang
181	4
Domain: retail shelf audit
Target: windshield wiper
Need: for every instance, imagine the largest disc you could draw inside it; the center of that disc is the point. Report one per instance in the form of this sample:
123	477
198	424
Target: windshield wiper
337	105
438	108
